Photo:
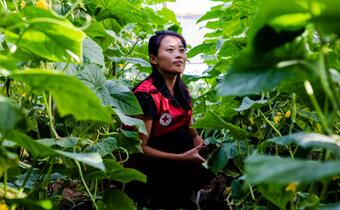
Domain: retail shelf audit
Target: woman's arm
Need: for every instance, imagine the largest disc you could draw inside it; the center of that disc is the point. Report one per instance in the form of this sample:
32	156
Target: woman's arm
191	155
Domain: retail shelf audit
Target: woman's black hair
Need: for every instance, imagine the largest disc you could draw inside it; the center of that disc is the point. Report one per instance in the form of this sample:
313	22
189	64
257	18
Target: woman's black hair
154	43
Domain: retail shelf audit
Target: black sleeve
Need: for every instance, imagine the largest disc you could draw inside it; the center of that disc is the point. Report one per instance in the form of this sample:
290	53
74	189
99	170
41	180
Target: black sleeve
148	105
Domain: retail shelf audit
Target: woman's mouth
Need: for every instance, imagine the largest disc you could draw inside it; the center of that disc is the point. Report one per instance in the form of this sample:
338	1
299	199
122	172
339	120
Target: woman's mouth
178	63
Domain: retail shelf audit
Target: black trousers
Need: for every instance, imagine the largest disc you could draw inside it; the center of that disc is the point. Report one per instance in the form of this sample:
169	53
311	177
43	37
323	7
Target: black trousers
170	184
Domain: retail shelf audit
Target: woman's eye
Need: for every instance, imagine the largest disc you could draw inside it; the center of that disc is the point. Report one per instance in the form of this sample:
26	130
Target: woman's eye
182	50
170	50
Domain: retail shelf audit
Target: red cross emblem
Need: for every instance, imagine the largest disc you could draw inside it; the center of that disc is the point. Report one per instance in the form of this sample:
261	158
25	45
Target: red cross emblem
165	119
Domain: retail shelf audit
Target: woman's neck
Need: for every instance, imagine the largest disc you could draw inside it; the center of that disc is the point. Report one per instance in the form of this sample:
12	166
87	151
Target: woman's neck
170	81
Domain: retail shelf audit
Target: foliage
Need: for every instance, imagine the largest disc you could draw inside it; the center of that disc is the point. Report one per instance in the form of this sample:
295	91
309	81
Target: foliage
66	70
279	60
269	103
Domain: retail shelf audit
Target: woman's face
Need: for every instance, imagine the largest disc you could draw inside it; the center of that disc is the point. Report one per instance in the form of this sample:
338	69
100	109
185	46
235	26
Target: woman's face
171	56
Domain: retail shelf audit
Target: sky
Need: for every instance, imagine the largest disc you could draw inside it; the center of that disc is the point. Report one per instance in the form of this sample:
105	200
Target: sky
188	12
197	7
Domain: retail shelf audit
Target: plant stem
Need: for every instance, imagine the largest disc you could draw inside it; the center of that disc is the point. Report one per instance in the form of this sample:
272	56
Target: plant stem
5	183
85	185
251	192
293	115
310	92
48	105
293	118
47	176
16	6
270	123
74	6
29	172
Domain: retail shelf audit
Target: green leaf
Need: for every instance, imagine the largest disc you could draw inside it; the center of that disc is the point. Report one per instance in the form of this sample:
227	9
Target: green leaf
129	140
247	103
205	48
121	201
35	148
71	95
7	62
104	147
115	171
91	159
10	114
139	61
308	140
31	204
240	83
92	52
213	121
93	77
122	11
276	194
333	206
270	169
123	98
40	150
220	157
212	14
326	16
129	121
51	37
66	142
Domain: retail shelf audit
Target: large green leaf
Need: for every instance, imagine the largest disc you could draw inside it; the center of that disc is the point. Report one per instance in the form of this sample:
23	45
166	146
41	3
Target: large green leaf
139	61
7	62
10	114
206	48
122	11
71	96
130	121
66	142
308	140
123	98
104	147
247	103
129	140
276	194
40	150
328	18
31	204
214	121
240	83
220	157
115	171
50	37
93	77
92	52
270	169
121	201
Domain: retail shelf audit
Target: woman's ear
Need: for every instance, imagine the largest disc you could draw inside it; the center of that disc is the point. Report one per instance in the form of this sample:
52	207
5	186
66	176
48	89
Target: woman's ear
153	60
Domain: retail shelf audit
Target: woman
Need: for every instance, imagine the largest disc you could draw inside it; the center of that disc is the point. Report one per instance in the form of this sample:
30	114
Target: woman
171	157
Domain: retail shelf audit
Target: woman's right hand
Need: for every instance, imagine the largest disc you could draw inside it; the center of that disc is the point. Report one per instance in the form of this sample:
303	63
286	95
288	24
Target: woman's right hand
193	155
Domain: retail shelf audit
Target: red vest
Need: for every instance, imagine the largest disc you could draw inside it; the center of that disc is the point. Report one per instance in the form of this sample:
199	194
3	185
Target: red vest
169	117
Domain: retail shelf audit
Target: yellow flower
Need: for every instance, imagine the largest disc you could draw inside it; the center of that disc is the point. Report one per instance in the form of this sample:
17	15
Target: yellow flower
42	4
277	117
23	4
288	114
121	65
3	207
252	120
291	187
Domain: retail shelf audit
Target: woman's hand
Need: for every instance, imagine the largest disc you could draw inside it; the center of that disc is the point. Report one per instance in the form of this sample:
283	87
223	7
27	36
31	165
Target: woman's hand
192	155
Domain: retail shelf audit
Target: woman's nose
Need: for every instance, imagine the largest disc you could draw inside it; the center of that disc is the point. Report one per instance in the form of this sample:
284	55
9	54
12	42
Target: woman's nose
179	54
